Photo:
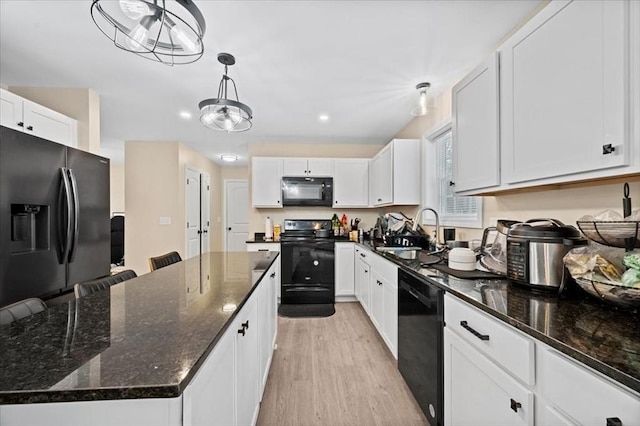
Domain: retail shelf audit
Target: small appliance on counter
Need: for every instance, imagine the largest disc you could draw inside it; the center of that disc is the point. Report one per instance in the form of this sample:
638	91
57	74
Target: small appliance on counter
535	250
494	255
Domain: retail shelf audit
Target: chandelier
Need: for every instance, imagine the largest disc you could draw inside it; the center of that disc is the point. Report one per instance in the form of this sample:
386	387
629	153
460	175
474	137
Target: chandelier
166	31
222	113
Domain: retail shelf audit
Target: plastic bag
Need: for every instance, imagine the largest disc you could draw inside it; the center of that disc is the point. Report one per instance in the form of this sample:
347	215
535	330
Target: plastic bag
596	262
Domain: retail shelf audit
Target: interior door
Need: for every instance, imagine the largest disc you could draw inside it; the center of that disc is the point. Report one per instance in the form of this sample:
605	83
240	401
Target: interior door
192	213
205	212
237	214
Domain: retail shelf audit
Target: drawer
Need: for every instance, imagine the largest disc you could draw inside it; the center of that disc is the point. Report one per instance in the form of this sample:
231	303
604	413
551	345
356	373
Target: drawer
500	342
581	393
387	269
363	254
263	246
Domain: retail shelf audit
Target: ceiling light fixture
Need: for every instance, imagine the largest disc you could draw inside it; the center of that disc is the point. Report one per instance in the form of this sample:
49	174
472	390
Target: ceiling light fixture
222	113
323	118
421	109
185	114
229	157
154	29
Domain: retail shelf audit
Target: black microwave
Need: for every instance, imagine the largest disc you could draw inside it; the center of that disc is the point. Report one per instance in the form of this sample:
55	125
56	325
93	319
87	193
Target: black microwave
307	191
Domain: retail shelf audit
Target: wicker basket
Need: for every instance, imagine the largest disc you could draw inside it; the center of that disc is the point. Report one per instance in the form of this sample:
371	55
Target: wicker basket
627	297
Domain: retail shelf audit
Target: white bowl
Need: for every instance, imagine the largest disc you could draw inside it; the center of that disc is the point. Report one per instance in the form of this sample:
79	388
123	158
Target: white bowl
462	259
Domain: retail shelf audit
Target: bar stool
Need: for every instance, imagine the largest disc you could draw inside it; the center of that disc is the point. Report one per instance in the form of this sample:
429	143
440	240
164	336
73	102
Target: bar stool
164	260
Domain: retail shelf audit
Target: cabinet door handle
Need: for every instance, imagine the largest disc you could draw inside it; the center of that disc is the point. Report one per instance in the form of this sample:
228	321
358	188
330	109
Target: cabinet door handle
241	331
362	255
273	275
379	199
245	325
614	421
466	326
515	405
379	282
278	201
452	183
20	123
29	127
608	149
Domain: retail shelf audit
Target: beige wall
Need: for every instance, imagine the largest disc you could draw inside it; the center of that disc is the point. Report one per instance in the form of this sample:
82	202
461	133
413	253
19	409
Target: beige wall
257	216
241	172
154	176
151	191
567	204
117	187
80	104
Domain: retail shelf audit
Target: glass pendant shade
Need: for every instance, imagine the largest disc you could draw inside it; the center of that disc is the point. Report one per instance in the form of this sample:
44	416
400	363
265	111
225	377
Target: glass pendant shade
166	31
225	114
421	109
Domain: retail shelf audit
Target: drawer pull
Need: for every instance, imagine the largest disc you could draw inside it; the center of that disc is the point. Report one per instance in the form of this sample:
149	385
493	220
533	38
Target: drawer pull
466	326
363	255
614	421
263	249
515	405
241	331
245	325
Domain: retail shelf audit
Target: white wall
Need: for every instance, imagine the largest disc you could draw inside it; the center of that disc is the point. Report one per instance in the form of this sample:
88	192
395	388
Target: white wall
117	187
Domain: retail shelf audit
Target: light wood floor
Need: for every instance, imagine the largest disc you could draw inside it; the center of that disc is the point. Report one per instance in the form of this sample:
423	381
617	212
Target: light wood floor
335	371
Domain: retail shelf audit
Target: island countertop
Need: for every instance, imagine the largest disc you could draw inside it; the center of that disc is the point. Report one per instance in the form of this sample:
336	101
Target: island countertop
144	338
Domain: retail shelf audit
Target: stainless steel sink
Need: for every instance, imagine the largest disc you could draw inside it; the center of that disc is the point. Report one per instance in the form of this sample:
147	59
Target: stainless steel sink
412	253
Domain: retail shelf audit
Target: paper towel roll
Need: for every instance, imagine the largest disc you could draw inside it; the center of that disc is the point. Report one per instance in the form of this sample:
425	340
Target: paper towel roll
268	229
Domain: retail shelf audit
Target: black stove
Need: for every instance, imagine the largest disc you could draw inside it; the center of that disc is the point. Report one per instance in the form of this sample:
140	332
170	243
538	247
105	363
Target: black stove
306	229
307	262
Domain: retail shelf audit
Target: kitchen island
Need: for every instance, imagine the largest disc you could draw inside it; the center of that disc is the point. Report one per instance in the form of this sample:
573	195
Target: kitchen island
144	340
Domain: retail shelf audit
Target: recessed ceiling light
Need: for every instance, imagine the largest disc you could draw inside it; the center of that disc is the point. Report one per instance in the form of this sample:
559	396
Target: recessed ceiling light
185	114
228	157
323	118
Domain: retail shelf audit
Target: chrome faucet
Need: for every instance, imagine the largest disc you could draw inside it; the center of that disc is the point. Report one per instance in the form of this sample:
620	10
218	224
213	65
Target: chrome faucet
416	223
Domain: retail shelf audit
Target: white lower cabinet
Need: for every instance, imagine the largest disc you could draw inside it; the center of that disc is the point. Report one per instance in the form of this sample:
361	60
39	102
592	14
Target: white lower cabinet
376	311
267	318
246	330
580	395
377	292
344	269
493	374
477	392
362	276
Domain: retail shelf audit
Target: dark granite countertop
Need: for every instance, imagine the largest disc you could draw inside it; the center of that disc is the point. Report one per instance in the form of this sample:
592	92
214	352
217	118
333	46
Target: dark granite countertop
601	336
144	338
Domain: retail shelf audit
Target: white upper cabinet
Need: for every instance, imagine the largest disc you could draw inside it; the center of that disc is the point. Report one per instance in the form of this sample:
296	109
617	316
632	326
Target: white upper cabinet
565	92
308	167
351	182
26	116
395	174
476	128
266	178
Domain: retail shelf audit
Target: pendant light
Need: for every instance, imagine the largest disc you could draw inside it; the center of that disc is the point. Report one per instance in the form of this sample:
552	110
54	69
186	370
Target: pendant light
222	113
166	31
421	109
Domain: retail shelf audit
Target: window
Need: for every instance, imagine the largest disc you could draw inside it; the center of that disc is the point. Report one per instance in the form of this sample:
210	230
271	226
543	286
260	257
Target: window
461	211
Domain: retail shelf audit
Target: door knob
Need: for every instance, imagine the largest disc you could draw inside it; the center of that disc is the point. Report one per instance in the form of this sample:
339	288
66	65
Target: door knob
229	229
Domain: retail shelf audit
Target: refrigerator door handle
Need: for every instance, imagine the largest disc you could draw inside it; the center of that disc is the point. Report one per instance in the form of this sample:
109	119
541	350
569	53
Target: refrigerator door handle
76	215
65	240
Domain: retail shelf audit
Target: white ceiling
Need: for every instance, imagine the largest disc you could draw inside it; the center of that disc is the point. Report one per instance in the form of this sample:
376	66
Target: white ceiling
358	61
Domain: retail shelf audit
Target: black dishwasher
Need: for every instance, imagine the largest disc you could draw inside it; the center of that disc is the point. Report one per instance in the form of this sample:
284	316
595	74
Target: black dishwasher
420	343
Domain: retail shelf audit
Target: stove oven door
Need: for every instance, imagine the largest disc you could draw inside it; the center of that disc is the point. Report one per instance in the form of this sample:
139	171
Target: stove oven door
307	271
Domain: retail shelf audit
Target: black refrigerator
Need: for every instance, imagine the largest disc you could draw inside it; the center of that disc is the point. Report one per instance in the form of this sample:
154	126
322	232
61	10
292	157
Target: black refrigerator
54	217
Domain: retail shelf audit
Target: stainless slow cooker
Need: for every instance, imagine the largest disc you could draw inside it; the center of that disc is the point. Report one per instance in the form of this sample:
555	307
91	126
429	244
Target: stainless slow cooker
535	250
